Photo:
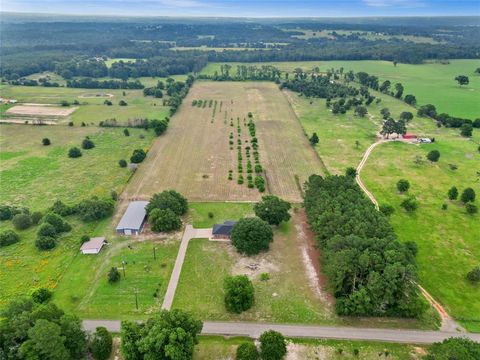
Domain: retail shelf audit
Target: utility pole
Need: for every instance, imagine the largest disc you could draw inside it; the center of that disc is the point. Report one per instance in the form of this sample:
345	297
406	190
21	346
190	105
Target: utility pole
136	298
154	253
123	267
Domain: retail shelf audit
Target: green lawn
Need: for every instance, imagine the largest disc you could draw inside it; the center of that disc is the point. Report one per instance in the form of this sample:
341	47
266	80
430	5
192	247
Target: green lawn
35	175
84	288
92	109
199	213
430	83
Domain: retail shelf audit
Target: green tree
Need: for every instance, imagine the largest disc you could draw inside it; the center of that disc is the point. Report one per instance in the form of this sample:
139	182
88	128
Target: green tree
36	217
454	348
361	111
389	127
168	199
398	90
351	172
406	116
386	210
74	152
272	209
468	195
8	237
57	222
462	80
138	156
385	113
471	208
433	155
122	103
45	341
164	220
251	235
22	221
101	344
41	295
239	293
126	132
87	144
314	139
113	275
46	141
47	229
169	335
272	345
122	163
247	351
410	100
75	337
94	209
410	204
474	275
45	242
403	185
130	334
466	130
453	193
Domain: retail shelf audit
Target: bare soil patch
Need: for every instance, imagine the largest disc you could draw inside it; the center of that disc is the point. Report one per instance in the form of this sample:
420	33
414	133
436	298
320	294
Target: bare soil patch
40	110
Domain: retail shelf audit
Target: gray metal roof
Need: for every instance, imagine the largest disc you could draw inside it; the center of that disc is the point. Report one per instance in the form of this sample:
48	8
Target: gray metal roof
93	243
134	216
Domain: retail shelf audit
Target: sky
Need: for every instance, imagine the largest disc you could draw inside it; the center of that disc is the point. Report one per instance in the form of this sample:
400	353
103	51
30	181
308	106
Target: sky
247	8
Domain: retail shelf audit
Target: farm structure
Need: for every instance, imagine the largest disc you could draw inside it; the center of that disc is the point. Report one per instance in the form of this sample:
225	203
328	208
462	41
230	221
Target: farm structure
197	153
223	231
133	220
93	246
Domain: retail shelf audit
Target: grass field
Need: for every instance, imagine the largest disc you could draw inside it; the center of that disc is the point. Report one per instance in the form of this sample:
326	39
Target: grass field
194	155
199	213
35	175
430	83
91	109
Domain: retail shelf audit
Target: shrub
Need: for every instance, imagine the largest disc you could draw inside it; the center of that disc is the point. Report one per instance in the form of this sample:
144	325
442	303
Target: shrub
74	152
122	163
101	344
272	209
351	172
122	103
138	156
126	132
41	295
168	199
108	103
87	144
466	130
258	168
453	193
22	221
47	230
36	217
57	222
239	293
474	275
247	351
386	210
468	195
471	208
45	243
46	141
251	235
84	239
113	275
264	276
62	209
433	155
64	103
8	237
444	206
94	209
272	345
454	348
164	220
403	185
5	212
410	204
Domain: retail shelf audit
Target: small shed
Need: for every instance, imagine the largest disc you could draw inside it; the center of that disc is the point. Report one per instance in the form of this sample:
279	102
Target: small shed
93	246
223	231
133	220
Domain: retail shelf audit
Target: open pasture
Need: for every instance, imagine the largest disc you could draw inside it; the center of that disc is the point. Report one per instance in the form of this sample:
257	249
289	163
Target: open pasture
431	83
91	108
34	175
194	156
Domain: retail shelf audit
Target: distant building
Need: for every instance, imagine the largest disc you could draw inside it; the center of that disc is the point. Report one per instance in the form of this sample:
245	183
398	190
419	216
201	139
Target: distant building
223	231
93	246
133	220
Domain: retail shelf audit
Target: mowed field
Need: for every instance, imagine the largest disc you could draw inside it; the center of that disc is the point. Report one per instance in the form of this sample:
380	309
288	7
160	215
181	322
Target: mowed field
194	156
430	83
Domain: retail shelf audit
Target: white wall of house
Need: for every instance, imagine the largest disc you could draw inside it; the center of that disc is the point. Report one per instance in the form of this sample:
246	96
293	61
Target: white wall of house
91	251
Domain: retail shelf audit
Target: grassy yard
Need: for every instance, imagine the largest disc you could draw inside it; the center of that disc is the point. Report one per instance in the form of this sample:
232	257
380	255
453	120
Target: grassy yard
199	213
35	175
430	83
84	288
92	109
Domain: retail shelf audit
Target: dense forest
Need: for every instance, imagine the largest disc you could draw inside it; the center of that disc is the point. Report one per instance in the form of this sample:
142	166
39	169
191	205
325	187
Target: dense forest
369	270
31	45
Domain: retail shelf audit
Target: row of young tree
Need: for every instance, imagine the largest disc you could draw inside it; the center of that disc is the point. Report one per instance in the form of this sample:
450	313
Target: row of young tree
89	83
370	271
244	73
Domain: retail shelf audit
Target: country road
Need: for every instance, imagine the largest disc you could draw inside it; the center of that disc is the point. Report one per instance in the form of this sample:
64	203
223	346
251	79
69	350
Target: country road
307	331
